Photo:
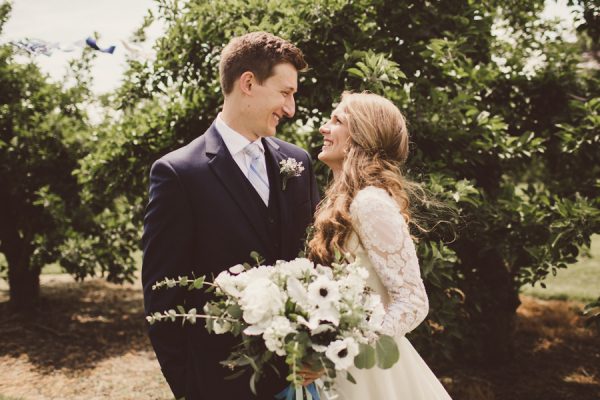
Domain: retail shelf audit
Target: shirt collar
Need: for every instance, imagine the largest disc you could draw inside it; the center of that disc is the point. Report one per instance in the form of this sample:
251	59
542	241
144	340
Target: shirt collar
234	140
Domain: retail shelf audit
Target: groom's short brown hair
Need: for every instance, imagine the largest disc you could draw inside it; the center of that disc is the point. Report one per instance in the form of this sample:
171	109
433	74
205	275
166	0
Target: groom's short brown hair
257	52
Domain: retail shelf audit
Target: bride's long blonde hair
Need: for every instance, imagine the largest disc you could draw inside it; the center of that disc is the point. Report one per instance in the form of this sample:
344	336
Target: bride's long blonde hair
376	151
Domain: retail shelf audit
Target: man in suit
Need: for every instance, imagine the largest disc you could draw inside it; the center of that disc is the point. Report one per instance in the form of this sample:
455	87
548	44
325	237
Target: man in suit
217	199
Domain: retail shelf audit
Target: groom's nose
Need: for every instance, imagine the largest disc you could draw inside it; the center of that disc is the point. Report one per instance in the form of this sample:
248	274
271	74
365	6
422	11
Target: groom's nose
289	107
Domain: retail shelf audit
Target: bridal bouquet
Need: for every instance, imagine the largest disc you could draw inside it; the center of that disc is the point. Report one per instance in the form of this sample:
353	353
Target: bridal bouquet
317	317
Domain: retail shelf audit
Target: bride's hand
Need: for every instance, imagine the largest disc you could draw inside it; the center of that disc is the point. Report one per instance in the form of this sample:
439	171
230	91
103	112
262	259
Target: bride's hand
309	375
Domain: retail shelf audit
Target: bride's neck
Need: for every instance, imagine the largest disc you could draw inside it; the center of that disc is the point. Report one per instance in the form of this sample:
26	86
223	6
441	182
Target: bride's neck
336	173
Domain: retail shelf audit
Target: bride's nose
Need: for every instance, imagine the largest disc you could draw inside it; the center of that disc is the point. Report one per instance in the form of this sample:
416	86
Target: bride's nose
324	129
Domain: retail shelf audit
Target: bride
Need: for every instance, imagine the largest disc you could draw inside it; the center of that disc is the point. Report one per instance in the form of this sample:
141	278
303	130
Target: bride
366	213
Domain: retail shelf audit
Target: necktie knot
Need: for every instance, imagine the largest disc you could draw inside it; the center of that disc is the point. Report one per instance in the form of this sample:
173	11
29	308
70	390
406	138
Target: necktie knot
253	150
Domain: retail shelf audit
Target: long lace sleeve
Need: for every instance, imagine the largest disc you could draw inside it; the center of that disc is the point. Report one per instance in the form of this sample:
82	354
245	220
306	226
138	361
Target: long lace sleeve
384	235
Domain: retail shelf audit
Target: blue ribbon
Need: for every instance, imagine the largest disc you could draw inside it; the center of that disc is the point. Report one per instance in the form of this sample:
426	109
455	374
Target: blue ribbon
289	393
92	43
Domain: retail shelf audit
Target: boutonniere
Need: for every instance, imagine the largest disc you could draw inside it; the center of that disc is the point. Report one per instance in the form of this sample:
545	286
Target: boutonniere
289	169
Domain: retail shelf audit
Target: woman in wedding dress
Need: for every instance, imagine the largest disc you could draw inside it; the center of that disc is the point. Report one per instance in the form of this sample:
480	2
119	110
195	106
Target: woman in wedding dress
366	213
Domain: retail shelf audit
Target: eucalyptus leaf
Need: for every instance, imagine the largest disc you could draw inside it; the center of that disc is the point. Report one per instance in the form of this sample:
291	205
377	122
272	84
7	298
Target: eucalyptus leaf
387	352
366	357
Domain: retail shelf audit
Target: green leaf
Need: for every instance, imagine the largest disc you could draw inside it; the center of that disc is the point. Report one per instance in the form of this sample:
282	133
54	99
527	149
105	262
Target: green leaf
356	72
387	352
198	282
235	311
366	357
350	377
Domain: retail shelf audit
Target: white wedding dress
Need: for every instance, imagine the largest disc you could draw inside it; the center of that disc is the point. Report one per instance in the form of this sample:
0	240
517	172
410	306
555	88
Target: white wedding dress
382	244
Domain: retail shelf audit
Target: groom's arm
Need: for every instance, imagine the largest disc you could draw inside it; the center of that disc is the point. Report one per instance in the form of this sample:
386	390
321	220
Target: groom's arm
167	242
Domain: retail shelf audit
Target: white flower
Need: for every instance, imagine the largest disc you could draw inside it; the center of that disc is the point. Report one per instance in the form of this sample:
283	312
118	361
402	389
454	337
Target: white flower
318	348
296	268
326	313
275	334
228	284
342	353
351	287
262	271
261	300
237	269
318	319
289	168
362	272
374	305
297	293
323	292
327	271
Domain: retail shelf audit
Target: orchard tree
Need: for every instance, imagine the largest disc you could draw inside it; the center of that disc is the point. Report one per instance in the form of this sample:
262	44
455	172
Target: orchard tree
44	131
507	143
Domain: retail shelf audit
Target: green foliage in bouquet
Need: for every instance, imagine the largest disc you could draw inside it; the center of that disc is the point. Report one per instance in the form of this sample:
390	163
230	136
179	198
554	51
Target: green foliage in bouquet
321	318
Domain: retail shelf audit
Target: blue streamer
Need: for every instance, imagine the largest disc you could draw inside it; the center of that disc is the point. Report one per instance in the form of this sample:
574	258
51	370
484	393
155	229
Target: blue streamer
92	43
289	393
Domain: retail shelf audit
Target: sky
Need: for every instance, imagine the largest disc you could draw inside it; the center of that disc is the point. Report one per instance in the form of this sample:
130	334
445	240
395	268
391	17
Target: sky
69	21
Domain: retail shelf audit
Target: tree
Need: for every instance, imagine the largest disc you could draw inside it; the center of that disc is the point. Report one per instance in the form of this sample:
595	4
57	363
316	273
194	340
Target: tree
484	139
44	131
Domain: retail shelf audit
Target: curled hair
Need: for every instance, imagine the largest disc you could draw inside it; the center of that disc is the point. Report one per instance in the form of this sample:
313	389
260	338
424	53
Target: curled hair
376	152
257	52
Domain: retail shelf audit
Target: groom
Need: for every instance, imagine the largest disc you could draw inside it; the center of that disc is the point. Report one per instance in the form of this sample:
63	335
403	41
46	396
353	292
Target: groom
219	198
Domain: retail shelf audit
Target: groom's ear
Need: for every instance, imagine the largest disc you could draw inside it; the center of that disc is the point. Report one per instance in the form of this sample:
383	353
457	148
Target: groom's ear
246	81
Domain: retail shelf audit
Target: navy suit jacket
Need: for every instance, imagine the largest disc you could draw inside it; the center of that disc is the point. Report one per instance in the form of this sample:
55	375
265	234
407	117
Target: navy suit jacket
200	221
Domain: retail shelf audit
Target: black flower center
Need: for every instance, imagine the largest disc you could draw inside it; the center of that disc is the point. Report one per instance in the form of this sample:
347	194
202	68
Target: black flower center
323	292
343	353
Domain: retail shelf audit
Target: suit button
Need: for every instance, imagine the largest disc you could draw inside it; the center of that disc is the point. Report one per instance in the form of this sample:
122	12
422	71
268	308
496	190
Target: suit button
271	221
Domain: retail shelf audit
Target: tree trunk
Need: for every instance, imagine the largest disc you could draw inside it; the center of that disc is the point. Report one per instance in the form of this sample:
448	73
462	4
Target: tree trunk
24	283
498	310
492	299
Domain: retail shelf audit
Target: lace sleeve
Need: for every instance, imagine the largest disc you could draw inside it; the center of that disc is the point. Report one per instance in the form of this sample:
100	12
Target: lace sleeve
384	235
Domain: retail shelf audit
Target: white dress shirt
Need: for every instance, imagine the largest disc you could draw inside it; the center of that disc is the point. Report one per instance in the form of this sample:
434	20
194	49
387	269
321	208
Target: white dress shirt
235	143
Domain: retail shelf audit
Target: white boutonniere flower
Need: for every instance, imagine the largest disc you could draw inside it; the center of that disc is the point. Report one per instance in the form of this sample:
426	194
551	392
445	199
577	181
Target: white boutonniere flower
290	168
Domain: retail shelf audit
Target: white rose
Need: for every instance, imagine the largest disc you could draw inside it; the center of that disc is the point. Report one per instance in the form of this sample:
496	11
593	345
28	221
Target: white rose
228	284
261	300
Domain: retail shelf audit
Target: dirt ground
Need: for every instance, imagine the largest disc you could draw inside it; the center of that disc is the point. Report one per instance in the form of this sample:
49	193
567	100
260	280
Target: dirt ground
88	342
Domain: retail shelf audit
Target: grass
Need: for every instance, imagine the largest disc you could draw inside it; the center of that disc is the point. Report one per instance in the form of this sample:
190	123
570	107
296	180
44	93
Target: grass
580	281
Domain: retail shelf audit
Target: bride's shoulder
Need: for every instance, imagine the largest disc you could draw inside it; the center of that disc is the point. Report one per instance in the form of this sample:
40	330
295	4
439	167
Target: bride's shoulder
371	197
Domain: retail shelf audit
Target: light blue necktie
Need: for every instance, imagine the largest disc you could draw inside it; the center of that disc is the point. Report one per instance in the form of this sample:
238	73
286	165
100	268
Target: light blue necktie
257	173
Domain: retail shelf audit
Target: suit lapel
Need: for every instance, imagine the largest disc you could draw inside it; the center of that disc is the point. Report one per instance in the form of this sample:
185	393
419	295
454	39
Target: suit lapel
225	168
283	197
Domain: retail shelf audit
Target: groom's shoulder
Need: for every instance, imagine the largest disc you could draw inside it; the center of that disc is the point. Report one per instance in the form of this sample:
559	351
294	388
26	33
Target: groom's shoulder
186	156
290	149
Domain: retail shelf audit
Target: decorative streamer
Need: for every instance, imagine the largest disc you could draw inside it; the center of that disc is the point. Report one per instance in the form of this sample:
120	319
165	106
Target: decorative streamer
90	41
36	47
